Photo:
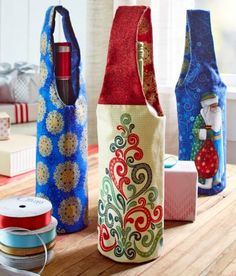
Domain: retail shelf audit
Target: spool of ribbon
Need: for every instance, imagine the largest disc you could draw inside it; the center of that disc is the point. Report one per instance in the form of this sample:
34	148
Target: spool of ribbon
26	263
26	239
170	161
26	251
25	212
9	266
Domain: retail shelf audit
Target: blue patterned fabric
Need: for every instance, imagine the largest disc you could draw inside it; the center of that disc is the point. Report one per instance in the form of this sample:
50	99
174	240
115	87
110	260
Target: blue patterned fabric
61	169
200	85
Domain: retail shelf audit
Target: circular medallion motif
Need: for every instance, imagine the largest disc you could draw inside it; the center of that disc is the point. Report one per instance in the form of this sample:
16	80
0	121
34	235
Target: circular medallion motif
149	82
43	43
70	210
84	144
66	176
144	26
54	122
81	110
43	72
68	144
51	17
54	97
42	173
147	53
41	108
45	146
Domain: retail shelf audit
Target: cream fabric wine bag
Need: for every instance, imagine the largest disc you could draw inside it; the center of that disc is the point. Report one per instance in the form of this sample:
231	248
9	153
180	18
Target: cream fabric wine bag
131	144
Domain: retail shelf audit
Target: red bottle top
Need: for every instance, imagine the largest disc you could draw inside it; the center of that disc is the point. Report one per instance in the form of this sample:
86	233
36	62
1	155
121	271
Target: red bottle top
63	60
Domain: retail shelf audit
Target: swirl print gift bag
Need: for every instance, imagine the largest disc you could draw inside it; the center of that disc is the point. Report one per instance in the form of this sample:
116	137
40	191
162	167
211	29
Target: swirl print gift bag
61	170
201	101
131	145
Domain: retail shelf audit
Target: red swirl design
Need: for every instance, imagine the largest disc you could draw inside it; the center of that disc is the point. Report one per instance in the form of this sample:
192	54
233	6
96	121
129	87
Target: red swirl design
143	217
104	236
119	166
133	140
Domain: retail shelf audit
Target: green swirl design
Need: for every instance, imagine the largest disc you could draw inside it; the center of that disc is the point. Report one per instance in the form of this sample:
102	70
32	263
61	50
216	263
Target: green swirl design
125	119
113	206
139	178
108	189
153	242
119	143
106	212
152	194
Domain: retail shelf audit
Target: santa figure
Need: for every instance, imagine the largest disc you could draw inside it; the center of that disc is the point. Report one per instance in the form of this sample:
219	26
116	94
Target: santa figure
207	126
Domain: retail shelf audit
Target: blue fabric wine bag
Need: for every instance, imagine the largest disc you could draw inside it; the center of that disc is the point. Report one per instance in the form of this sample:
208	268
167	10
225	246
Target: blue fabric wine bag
61	170
201	106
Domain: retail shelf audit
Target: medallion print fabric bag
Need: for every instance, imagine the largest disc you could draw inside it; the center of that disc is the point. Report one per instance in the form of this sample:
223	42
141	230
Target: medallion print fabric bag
131	145
201	106
62	134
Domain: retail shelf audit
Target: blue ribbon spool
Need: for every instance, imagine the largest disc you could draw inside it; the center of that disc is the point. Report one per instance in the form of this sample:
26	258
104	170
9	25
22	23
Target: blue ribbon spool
25	239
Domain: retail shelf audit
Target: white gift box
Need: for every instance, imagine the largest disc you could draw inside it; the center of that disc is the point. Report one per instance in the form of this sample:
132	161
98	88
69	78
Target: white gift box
4	126
17	155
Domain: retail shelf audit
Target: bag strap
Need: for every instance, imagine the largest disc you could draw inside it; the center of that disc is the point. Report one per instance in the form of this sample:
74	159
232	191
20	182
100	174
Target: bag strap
121	82
200	37
49	27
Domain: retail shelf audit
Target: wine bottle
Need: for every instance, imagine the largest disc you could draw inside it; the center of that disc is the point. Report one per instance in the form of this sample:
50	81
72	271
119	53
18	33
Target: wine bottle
140	46
63	72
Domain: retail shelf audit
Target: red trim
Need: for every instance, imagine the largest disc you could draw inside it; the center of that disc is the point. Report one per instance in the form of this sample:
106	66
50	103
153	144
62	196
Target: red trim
16	113
27	112
21	113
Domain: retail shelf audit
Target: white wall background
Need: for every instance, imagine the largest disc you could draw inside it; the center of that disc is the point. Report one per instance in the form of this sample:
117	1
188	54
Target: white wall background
21	23
20	27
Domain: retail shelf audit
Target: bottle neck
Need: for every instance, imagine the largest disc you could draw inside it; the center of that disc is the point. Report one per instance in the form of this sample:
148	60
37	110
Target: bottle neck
200	36
63	60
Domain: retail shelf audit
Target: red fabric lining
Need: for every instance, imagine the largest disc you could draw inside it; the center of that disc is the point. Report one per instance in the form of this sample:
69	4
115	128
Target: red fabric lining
121	84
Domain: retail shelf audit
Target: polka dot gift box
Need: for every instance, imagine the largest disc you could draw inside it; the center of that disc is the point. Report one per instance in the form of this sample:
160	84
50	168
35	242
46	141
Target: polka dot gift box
201	106
61	170
4	126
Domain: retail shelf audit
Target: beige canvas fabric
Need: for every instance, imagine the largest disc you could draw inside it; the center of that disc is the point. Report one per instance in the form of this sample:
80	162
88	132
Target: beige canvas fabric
130	208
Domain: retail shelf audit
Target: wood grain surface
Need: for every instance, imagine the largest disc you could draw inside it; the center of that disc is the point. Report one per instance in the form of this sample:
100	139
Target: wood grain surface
205	247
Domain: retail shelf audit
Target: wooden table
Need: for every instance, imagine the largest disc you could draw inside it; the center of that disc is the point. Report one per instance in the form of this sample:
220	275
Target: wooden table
205	247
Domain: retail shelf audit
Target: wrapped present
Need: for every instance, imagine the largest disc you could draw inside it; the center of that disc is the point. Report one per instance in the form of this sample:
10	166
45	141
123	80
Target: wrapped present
18	83
17	155
181	191
4	126
21	112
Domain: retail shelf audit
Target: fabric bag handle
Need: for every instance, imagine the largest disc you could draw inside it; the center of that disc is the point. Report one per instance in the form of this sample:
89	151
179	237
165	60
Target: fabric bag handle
122	85
199	45
49	26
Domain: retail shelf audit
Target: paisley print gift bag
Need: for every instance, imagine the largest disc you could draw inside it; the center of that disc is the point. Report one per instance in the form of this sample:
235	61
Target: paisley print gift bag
61	170
131	145
201	106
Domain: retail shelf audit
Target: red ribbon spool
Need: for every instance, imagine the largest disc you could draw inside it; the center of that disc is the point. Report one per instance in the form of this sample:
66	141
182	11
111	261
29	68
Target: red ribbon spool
25	212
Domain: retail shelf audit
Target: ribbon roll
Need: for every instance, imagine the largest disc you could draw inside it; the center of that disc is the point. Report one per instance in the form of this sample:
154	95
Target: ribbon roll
26	263
25	212
26	239
25	251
